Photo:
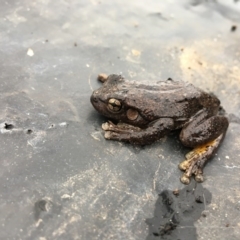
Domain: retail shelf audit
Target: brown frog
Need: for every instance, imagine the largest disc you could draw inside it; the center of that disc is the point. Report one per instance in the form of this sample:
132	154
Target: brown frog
146	113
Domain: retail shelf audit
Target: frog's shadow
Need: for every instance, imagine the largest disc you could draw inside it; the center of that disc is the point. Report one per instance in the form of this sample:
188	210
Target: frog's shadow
176	212
96	119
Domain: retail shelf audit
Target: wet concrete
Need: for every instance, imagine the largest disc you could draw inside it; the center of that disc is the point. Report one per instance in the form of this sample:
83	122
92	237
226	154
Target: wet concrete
60	179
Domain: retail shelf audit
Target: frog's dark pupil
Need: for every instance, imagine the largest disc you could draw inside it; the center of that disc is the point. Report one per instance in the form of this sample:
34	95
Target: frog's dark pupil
114	107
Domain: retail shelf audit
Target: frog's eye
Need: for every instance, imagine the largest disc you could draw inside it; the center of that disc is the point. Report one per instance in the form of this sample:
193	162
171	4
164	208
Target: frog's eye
114	105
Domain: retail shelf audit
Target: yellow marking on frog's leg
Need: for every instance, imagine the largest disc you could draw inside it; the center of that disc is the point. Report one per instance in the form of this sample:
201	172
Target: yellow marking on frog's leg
195	160
190	155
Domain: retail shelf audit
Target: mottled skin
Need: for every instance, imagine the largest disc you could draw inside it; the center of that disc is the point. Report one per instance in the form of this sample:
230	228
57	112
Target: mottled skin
148	112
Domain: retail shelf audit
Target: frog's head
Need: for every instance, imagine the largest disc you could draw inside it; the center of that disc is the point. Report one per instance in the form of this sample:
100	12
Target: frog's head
111	101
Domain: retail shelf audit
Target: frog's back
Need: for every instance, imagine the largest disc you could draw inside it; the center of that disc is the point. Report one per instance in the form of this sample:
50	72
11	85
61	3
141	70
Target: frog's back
174	99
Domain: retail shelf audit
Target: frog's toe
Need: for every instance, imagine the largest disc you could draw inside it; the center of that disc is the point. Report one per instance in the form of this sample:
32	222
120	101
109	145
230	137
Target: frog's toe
185	179
184	165
199	177
192	166
108	126
105	126
112	135
107	135
197	171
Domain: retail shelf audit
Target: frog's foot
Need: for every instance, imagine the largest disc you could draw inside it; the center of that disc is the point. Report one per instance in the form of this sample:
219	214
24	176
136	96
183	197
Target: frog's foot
122	132
196	159
114	131
135	135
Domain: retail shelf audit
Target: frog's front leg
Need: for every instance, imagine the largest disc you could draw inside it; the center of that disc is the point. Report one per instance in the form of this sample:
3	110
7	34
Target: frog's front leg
204	135
135	135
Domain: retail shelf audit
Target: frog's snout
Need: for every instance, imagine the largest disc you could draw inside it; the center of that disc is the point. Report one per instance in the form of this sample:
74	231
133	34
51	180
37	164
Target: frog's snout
94	98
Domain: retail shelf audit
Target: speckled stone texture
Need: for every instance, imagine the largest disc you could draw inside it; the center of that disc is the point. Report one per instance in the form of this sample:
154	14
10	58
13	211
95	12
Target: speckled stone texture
60	179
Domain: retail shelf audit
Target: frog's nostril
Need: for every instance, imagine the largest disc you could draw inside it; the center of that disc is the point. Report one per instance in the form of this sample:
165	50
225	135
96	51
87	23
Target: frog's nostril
93	98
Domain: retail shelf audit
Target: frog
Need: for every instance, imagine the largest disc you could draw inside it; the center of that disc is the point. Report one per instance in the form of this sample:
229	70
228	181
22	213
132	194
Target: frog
141	113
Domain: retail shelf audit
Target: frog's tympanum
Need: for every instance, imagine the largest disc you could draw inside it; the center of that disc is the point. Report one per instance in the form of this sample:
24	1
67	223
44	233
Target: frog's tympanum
146	113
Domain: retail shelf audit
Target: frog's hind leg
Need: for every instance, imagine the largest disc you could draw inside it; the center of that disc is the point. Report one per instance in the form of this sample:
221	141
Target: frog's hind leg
196	159
205	137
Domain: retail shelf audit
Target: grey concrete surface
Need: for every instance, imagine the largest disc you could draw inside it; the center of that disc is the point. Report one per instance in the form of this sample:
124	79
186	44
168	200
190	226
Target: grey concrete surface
60	179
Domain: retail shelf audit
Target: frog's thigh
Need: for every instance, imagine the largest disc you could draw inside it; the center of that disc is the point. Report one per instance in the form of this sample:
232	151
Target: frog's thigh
203	132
